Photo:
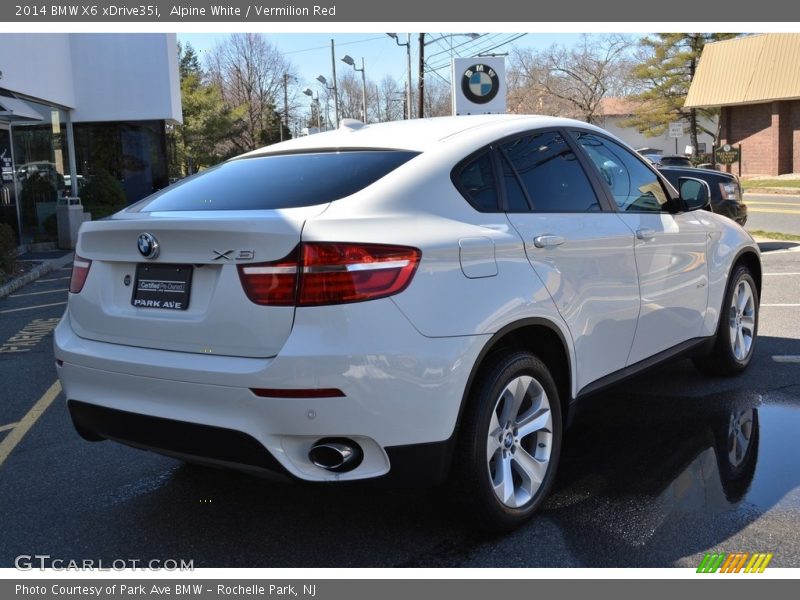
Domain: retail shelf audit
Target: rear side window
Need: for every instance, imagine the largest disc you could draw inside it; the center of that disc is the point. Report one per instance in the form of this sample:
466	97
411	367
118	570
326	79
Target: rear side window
281	181
550	173
476	181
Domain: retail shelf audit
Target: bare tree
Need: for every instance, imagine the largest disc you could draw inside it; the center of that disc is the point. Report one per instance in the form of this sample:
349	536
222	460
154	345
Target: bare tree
391	99
438	98
349	95
573	80
251	74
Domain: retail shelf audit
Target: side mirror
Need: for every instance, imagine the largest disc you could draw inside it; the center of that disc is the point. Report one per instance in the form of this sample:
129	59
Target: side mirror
694	193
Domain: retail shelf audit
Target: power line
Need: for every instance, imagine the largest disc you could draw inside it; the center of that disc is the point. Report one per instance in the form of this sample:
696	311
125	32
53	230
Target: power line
485	49
447	49
372	39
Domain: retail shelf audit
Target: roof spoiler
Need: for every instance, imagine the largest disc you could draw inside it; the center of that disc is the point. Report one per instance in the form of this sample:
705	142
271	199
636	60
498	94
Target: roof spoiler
351	124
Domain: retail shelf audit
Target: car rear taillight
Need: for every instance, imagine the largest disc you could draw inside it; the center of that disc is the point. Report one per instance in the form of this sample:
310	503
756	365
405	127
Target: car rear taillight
334	273
80	270
272	283
319	273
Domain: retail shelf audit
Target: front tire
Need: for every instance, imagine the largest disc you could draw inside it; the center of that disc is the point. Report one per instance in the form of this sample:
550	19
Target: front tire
510	441
737	330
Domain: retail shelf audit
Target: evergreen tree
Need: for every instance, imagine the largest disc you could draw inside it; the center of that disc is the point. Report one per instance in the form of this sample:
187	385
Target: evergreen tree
666	72
207	123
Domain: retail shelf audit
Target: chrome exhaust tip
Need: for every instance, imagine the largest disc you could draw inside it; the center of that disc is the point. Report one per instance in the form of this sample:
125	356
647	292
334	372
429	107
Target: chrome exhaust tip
338	455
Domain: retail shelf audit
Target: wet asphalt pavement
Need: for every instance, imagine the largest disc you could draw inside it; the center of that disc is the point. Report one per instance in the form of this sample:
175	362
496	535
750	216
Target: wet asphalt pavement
649	476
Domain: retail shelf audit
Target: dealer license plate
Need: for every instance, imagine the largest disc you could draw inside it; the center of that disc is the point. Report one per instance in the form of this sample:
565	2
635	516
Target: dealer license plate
162	286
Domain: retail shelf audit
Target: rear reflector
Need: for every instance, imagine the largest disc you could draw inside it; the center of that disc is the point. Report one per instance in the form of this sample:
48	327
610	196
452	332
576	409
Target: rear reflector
313	393
80	270
316	274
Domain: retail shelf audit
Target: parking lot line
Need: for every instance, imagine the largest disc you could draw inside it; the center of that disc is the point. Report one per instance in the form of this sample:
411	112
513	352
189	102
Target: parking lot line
780	304
787	358
7	427
781	273
11	310
38	293
52	279
28	421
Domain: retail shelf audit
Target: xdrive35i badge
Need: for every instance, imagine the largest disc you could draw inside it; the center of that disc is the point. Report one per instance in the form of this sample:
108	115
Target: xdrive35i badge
148	245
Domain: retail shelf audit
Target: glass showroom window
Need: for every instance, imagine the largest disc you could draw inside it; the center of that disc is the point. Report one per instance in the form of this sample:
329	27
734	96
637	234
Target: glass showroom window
41	164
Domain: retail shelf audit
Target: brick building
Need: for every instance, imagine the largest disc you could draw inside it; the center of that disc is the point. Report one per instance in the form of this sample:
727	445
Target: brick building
755	80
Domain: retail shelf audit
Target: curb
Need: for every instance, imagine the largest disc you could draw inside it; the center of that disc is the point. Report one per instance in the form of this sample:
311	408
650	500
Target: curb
34	274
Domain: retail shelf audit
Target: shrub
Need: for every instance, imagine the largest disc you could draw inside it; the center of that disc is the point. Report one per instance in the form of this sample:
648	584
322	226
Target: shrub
8	249
103	190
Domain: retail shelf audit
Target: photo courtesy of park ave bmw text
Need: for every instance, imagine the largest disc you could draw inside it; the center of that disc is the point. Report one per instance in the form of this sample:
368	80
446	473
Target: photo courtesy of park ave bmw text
291	306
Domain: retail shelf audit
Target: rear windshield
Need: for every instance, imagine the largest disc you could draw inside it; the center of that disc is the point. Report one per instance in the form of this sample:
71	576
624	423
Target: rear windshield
281	181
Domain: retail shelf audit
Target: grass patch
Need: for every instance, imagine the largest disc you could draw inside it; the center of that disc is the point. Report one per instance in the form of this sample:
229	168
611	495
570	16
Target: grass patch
774	235
765	183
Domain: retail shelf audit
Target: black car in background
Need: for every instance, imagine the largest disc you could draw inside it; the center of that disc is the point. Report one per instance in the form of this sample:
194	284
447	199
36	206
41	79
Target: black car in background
674	161
726	192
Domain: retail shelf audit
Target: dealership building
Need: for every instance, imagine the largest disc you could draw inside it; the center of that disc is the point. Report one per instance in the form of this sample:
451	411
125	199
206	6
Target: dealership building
75	105
755	81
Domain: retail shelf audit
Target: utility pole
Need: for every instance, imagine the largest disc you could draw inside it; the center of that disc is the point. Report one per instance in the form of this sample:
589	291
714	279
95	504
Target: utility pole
421	84
285	103
335	87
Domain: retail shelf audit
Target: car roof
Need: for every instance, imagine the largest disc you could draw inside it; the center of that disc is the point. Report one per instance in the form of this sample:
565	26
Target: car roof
419	135
695	172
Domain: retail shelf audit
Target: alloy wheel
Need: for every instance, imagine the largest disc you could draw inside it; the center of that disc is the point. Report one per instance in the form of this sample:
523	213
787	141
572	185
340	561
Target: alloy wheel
519	441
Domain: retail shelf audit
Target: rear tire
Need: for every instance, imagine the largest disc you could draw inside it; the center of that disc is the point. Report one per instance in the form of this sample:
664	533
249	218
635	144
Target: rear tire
509	443
737	329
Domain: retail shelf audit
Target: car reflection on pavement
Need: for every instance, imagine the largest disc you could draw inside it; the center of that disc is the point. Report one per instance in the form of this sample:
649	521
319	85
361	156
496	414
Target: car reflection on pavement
664	471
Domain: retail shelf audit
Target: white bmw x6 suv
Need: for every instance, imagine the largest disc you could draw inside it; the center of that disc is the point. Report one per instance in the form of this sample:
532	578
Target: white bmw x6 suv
422	299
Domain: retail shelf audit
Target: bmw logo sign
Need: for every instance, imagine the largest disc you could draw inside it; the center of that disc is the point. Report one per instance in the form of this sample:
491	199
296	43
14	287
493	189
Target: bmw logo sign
148	245
480	84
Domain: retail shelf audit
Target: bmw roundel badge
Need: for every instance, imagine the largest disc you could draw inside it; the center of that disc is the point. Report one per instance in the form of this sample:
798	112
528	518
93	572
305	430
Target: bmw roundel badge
480	84
148	245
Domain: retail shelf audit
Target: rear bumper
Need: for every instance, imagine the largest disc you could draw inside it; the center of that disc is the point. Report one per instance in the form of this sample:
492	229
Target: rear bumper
401	391
425	464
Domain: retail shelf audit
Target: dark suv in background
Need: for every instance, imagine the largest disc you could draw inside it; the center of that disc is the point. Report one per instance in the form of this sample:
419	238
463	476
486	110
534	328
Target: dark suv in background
726	192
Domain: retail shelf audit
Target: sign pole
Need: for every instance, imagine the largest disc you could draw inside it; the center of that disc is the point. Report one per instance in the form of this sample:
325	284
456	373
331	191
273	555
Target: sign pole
740	161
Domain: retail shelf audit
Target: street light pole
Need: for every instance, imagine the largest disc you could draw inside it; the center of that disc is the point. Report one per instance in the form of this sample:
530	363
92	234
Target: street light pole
363	89
348	60
285	103
407	44
324	82
335	88
421	82
314	101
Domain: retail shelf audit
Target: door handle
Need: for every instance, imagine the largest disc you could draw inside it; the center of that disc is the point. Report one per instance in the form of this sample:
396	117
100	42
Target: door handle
646	234
548	241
